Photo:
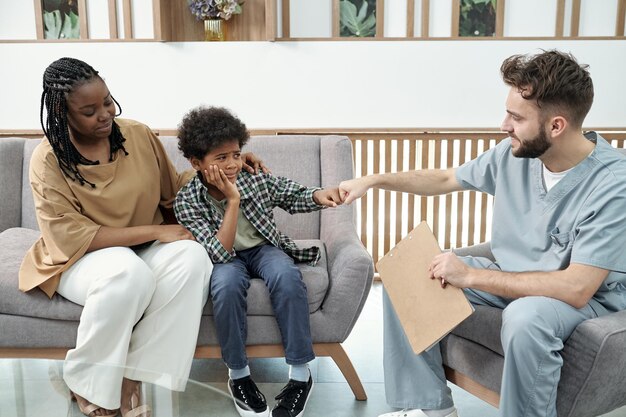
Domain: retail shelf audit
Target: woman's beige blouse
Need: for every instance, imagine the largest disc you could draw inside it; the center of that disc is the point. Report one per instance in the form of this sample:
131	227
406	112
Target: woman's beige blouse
128	193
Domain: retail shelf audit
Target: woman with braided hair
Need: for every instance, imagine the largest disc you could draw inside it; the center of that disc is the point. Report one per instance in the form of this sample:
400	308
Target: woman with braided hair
99	184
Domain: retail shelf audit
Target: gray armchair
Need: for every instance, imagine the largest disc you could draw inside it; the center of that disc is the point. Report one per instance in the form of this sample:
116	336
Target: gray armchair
593	377
31	325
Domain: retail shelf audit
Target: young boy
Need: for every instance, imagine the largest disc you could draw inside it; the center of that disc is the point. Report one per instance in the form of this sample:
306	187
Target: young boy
229	211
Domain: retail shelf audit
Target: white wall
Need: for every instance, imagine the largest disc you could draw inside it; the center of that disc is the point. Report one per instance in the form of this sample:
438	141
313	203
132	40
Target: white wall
307	84
349	84
309	19
16	20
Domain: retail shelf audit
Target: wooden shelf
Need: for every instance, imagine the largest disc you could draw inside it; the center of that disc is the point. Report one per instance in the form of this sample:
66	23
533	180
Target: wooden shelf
174	22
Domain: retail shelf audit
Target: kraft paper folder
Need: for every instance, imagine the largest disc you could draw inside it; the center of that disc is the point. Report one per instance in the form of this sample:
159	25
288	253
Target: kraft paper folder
426	311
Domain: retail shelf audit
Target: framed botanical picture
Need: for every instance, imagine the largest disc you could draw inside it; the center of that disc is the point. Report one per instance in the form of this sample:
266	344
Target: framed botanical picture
60	19
357	18
477	17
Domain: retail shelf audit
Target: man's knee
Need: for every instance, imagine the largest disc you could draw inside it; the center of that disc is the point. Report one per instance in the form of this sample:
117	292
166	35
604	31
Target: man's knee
528	320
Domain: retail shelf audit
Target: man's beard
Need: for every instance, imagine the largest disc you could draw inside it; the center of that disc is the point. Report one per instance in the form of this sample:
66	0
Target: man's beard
533	148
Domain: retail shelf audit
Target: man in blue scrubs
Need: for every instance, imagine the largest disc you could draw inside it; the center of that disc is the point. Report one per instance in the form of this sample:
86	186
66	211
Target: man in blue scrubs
559	239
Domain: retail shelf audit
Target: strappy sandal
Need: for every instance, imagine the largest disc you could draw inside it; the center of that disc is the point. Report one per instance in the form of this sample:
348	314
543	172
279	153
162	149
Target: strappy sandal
137	410
90	408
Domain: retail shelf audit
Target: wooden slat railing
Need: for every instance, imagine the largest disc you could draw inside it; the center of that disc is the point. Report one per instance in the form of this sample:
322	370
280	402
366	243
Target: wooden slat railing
384	217
458	219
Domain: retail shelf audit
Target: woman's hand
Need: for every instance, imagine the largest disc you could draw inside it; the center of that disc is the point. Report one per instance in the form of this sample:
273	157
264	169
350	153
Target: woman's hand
172	232
252	163
217	178
329	197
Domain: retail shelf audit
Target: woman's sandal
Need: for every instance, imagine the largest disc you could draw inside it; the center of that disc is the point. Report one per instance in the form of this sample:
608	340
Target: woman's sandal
137	410
90	408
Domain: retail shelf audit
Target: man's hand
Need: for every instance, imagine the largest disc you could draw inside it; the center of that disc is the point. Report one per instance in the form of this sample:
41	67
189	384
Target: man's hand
329	197
252	163
218	179
350	190
449	269
172	232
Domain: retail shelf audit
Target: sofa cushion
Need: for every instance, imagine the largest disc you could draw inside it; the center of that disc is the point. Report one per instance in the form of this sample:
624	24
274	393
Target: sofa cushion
13	246
481	364
16	241
315	278
483	327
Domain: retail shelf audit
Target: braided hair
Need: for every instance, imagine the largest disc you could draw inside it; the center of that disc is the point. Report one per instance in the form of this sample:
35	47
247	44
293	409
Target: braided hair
61	78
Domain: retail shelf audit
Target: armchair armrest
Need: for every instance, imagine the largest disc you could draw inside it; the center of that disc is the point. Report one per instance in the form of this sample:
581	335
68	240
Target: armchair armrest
350	268
594	364
482	250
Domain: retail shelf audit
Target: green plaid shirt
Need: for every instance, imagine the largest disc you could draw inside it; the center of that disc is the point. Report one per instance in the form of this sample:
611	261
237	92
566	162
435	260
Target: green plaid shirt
259	193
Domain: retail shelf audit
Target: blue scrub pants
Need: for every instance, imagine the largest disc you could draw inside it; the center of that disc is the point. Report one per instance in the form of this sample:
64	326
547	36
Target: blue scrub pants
229	288
533	332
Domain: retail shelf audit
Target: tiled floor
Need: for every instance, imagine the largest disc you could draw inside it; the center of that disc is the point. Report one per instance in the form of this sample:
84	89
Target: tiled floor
35	387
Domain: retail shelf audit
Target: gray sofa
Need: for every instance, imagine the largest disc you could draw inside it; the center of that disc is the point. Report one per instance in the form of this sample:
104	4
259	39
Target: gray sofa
31	325
593	378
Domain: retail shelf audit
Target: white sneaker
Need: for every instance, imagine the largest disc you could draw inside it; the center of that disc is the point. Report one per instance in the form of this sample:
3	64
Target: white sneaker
413	413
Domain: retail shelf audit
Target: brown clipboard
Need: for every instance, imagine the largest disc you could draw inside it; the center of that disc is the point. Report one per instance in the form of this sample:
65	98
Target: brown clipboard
426	311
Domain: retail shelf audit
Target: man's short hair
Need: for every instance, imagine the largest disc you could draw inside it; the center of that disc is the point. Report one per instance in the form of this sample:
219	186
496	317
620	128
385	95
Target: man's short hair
205	128
554	80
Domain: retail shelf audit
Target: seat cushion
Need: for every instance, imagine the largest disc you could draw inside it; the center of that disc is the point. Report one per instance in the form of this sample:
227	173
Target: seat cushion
14	243
483	327
481	364
315	278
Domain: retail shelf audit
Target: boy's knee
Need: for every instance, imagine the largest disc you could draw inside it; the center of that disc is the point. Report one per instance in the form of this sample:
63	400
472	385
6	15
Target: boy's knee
288	283
227	282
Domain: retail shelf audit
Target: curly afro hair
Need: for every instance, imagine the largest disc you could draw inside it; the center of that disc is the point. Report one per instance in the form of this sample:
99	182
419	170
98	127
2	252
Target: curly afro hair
206	128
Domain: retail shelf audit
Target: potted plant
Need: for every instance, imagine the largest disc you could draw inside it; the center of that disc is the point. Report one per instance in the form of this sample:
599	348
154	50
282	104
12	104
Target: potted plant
214	13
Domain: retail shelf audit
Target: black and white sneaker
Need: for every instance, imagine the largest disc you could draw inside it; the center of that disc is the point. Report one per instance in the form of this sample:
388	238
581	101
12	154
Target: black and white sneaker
249	401
293	398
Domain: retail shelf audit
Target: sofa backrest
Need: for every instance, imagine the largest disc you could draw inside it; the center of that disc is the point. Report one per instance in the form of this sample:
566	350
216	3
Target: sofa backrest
11	161
310	160
314	161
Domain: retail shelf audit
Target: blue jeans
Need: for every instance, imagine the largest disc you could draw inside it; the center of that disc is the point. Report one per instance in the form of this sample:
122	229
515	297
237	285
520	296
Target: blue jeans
229	288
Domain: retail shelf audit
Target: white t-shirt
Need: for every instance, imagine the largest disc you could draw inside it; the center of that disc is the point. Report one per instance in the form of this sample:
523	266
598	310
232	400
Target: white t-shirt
550	179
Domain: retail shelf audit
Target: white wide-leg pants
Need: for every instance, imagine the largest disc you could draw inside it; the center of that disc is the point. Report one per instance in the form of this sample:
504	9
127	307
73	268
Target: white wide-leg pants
140	318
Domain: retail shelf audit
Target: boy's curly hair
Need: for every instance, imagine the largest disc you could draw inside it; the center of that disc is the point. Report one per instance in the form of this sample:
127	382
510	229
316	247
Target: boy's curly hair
205	128
554	80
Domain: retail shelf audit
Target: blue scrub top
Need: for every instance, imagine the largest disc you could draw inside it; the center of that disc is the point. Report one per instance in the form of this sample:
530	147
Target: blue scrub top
582	219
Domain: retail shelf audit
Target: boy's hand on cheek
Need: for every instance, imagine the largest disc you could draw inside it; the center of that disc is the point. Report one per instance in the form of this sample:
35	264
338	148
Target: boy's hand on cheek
216	177
328	198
